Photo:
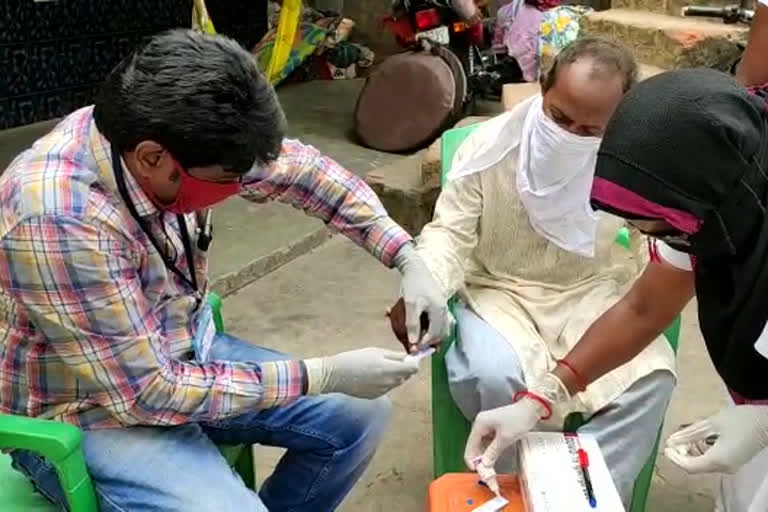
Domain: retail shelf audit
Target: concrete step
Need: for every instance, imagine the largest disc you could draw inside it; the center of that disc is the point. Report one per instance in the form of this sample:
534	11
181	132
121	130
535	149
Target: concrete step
666	41
399	186
670	7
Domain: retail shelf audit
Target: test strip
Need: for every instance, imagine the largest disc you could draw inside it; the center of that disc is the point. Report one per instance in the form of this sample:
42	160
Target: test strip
495	505
421	354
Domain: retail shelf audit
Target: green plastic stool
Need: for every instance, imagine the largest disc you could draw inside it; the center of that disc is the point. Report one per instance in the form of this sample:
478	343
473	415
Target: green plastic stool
60	443
449	426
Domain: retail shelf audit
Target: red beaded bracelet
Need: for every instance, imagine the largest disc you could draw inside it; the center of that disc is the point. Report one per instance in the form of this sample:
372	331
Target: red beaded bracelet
537	398
580	380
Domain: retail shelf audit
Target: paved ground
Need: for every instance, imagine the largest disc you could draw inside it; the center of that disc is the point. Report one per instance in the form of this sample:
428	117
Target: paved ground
334	299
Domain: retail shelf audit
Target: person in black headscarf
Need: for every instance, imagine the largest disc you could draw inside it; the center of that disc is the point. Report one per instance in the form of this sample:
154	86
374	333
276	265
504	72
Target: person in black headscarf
685	160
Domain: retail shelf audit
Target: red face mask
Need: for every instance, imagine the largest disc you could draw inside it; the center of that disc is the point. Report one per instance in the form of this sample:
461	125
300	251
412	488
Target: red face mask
196	194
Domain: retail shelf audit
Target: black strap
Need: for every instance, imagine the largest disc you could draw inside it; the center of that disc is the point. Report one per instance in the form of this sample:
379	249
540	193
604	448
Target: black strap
117	167
187	243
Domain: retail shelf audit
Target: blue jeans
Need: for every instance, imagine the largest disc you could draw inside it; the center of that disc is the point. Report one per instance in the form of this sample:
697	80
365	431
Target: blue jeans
330	441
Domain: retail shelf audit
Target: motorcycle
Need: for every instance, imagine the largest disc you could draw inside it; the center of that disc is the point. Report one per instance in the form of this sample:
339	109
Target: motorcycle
736	13
435	25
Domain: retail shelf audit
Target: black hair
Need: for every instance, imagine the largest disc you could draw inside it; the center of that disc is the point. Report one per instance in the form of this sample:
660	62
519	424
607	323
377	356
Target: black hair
608	57
202	97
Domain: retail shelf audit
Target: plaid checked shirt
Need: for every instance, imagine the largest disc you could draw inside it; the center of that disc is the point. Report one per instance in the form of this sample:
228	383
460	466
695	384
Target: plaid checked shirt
94	329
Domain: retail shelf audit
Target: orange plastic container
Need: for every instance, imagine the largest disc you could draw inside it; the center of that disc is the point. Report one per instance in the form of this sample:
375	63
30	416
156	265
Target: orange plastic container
461	492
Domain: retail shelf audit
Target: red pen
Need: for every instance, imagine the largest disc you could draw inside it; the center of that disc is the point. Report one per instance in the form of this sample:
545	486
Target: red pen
584	465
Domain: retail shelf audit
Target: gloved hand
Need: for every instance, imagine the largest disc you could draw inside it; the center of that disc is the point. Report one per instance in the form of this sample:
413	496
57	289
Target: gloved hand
421	294
496	430
364	373
722	443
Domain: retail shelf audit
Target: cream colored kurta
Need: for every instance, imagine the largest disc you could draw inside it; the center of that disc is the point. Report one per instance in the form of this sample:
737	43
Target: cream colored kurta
541	298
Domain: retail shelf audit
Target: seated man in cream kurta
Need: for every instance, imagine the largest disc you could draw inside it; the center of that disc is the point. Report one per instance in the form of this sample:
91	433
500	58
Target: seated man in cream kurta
513	234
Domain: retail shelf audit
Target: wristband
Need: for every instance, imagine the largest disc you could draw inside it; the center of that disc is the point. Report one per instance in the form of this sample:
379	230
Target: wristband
580	380
536	398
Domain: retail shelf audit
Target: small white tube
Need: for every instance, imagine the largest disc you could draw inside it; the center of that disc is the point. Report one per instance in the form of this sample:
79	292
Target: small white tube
421	354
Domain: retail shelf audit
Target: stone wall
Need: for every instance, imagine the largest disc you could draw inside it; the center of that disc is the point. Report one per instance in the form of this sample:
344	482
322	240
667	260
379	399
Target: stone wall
671	7
409	202
369	13
669	42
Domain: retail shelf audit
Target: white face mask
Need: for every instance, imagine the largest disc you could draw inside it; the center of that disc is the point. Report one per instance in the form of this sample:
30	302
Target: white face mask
554	180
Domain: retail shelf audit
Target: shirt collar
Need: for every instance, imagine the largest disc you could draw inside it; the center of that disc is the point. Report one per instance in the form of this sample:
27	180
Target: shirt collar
102	153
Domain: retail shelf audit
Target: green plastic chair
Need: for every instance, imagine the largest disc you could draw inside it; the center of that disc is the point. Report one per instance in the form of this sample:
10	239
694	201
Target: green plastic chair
61	445
450	427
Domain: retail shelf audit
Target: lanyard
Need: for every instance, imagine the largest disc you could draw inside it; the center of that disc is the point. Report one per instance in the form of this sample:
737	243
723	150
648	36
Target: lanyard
191	280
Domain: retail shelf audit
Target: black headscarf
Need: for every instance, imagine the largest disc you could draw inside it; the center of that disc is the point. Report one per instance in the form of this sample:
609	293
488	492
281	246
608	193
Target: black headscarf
691	147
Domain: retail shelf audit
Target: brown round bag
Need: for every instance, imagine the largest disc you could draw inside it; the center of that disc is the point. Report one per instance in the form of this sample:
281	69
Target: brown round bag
405	102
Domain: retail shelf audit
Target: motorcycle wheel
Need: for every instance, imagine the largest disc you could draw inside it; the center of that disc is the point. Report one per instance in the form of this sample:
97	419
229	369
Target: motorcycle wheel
463	51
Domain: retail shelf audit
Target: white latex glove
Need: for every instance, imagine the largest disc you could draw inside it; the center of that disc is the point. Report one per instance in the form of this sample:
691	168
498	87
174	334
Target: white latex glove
741	432
496	430
364	373
421	293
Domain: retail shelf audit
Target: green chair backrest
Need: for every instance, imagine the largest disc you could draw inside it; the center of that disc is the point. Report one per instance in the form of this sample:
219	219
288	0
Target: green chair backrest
449	426
60	444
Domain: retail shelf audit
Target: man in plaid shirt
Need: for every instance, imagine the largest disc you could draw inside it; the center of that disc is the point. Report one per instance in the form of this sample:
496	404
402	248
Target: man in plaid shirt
104	321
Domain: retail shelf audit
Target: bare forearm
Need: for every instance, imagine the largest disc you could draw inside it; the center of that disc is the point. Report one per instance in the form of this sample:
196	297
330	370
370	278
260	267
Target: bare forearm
753	69
622	332
613	339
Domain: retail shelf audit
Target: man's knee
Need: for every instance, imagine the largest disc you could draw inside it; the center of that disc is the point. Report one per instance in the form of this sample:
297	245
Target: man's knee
627	428
664	380
360	422
493	385
654	390
225	494
379	415
485	384
223	491
488	372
